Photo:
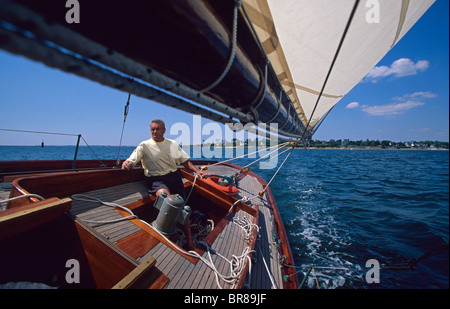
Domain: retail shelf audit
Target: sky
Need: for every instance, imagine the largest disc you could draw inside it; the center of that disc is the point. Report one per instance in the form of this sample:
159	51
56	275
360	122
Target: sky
405	97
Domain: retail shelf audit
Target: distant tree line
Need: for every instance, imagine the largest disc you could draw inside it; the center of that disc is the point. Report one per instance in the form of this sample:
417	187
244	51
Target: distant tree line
346	143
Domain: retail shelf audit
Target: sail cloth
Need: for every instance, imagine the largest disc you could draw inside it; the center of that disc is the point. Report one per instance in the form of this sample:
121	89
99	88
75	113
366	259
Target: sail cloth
301	38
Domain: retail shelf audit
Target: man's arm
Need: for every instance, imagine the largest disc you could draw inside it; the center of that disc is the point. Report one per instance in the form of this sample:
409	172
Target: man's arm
188	164
135	157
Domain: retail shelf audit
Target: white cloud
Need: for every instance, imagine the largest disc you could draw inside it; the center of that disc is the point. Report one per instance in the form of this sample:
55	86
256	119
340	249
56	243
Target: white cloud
401	105
422	95
391	109
416	96
399	68
352	105
421	130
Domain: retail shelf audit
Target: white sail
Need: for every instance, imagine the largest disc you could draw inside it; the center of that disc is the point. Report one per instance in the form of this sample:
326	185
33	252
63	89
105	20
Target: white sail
301	39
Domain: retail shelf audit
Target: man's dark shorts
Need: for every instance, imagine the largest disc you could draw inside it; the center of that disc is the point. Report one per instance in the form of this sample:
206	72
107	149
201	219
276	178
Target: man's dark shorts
172	182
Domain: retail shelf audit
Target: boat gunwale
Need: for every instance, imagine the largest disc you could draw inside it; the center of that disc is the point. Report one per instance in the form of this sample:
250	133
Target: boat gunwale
288	272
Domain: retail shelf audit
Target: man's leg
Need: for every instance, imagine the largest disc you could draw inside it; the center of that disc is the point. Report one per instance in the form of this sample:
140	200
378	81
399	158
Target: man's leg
176	185
156	186
161	191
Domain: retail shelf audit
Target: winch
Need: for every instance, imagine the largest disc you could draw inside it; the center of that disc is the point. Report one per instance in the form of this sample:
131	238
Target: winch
172	210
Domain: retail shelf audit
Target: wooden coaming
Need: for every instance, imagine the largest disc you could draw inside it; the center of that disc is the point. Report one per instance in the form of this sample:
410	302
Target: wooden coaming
23	218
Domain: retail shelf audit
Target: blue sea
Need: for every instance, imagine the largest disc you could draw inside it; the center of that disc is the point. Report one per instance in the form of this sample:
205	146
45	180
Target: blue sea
342	208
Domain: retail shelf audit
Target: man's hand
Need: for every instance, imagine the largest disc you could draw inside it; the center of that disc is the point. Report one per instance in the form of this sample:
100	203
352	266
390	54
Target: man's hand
188	164
201	174
127	165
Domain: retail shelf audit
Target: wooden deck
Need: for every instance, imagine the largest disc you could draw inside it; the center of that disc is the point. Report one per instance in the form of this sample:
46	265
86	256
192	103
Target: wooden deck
4	194
182	272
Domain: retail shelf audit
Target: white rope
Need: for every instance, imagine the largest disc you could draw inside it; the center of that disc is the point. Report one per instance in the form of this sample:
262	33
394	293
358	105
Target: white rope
22	196
247	226
86	198
192	188
237	264
267	269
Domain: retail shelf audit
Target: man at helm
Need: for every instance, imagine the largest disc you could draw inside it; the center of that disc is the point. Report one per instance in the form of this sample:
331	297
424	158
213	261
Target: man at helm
160	157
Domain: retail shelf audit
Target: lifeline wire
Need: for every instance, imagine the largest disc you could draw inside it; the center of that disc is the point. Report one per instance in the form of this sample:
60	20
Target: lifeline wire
248	154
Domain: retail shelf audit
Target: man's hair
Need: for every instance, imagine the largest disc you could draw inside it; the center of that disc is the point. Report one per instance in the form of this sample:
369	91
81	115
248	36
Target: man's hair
160	122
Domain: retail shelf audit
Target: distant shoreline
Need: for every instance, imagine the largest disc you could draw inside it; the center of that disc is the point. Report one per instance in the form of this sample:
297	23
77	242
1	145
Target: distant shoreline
378	148
254	147
328	148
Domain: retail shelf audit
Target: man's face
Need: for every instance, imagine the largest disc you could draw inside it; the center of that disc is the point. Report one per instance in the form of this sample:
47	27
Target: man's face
157	132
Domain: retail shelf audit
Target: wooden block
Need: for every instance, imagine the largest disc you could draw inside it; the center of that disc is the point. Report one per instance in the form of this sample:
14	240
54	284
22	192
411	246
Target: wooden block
145	276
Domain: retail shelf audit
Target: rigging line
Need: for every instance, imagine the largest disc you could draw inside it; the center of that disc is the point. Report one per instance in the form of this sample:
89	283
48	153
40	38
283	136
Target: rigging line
39	132
233	49
244	155
55	133
315	277
264	157
265	188
277	155
125	114
91	150
347	27
274	285
317	126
